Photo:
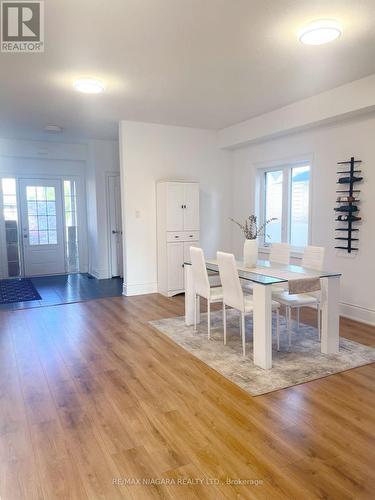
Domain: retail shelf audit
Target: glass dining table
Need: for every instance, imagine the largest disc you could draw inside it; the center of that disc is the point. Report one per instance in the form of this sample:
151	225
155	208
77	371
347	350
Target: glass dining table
262	277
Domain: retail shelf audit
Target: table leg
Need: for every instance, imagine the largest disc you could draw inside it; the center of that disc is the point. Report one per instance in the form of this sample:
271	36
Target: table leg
189	297
330	315
262	331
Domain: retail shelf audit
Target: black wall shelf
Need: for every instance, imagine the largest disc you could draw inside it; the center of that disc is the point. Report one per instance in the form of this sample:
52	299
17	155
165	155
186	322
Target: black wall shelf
349	206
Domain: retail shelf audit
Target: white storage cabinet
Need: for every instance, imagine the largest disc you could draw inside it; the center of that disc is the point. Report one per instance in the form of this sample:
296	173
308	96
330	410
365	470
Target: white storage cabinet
177	231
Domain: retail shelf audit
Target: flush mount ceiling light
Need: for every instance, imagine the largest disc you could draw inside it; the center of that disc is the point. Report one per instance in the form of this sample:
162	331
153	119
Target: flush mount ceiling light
320	32
89	86
53	129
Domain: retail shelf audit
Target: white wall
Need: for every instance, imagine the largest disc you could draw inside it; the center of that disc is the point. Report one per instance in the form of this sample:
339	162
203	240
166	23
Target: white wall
103	158
150	153
20	158
328	145
89	161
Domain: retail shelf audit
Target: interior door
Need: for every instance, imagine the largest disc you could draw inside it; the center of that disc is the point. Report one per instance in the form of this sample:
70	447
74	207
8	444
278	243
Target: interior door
115	225
191	207
42	226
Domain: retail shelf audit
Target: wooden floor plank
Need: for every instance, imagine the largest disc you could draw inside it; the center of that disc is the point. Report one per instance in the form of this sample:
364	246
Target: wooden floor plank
93	399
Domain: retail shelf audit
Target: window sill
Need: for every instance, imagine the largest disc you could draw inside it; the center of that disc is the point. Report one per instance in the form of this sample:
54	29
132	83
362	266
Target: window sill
296	253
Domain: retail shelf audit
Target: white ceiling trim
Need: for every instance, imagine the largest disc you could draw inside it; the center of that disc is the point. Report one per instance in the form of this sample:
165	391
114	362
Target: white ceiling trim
341	102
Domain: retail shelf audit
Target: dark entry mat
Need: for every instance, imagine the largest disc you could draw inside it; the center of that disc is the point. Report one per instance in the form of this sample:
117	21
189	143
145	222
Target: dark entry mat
17	290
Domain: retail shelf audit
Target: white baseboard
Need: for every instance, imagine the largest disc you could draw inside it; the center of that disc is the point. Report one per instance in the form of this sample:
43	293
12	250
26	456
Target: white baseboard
349	311
130	289
357	313
100	274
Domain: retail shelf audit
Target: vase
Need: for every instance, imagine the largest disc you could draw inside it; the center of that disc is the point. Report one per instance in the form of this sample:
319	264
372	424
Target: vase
250	253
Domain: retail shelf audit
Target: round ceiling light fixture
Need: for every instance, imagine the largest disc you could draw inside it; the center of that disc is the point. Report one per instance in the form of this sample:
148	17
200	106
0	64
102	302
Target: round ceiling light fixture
320	32
53	129
89	86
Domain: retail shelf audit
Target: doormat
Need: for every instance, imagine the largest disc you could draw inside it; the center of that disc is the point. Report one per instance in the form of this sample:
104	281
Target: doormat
17	290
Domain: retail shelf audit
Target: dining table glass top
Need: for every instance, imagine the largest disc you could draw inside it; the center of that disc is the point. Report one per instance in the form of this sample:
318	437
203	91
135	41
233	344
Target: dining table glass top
271	273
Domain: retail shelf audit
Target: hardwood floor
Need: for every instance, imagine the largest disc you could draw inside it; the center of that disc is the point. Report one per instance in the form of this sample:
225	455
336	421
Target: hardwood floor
92	399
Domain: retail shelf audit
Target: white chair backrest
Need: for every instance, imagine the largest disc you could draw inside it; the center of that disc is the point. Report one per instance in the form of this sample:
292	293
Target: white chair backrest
230	281
280	253
200	276
313	258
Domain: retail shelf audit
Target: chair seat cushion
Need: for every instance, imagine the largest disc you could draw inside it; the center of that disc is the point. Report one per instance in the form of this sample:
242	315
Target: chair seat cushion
301	299
279	288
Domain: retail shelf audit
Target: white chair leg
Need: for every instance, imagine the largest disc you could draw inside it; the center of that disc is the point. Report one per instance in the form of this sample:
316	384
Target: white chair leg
319	320
298	309
208	319
225	323
278	328
195	311
243	334
286	319
289	313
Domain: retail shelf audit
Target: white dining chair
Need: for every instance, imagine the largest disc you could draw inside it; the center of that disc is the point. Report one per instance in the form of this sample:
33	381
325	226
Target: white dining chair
299	294
233	296
202	287
313	258
280	253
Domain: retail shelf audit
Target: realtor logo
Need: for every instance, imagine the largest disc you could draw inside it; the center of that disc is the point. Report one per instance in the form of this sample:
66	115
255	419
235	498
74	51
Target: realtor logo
22	26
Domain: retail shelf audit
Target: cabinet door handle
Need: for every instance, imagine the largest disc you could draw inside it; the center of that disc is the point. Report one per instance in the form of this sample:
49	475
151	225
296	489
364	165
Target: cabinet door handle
176	236
182	206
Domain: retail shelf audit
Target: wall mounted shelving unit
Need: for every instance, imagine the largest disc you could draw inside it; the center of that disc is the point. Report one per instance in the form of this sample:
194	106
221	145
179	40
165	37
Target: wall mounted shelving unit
347	201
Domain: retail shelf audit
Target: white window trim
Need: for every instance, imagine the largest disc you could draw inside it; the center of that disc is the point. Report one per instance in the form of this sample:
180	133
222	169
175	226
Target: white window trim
287	164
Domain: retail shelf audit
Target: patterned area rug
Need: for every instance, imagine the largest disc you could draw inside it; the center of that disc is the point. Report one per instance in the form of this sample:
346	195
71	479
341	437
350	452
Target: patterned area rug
301	363
17	290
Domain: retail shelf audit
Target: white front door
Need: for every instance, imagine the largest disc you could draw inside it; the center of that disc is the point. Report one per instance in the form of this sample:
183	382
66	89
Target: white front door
115	224
42	226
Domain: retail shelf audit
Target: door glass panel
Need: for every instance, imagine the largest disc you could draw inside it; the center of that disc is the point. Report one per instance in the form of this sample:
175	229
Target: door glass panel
9	188
33	223
50	193
51	223
51	208
71	226
41	193
42	228
33	238
31	193
42	223
42	208
43	238
32	208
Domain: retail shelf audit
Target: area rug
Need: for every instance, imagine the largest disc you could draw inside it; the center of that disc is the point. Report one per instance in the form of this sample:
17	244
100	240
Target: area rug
300	363
17	290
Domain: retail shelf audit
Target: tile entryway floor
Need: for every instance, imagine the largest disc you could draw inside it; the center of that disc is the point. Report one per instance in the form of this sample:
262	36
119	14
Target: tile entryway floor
68	288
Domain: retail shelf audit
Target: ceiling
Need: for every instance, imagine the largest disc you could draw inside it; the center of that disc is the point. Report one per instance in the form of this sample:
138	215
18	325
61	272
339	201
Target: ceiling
198	63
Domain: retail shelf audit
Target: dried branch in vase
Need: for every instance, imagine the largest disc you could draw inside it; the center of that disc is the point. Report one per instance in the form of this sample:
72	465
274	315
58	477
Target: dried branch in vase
251	229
